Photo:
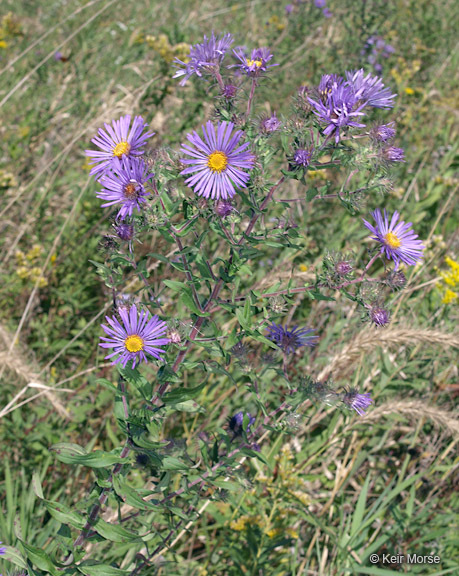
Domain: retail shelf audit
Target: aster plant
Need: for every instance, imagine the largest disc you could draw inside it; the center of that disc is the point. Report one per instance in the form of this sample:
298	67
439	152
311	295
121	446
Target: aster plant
214	211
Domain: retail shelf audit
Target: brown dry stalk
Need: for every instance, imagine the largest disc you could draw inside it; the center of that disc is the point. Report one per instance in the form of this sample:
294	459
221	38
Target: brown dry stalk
371	339
16	363
416	409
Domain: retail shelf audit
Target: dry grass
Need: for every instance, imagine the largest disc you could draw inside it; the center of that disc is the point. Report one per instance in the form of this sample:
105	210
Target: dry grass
369	340
415	410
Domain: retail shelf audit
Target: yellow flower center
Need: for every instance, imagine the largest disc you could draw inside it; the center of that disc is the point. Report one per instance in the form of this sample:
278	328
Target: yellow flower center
130	191
134	343
121	148
392	240
257	63
217	161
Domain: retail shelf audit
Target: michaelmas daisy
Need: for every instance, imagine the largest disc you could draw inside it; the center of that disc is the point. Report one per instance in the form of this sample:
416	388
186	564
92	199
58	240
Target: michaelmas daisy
217	163
136	335
398	241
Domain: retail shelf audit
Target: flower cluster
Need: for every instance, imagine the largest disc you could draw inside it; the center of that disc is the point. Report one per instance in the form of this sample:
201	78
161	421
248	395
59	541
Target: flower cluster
204	58
340	102
117	166
376	48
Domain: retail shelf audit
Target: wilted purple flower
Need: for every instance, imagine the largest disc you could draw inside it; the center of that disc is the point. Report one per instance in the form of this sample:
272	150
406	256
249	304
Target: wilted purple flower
290	340
117	141
302	157
326	12
379	316
137	335
218	161
223	208
343	267
393	154
257	63
383	133
204	57
398	241
356	401
369	89
125	231
236	421
125	185
270	124
229	91
58	56
396	279
339	110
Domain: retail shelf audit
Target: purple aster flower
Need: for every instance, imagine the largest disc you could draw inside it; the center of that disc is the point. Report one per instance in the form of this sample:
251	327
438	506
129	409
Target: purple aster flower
138	334
223	208
339	110
290	340
356	401
327	83
125	185
288	9
117	141
383	133
256	63
204	57
229	91
393	154
2	549
379	316
125	231
370	89
270	124
320	3
398	241
217	162
326	12
302	157
236	421
343	267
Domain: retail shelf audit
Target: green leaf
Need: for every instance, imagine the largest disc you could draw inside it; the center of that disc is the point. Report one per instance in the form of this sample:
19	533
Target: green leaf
182	394
74	454
316	295
64	514
174	285
100	570
189	302
14	556
189	406
40	559
171	463
113	532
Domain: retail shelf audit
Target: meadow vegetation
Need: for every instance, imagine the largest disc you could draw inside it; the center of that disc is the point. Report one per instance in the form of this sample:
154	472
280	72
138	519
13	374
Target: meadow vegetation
328	488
